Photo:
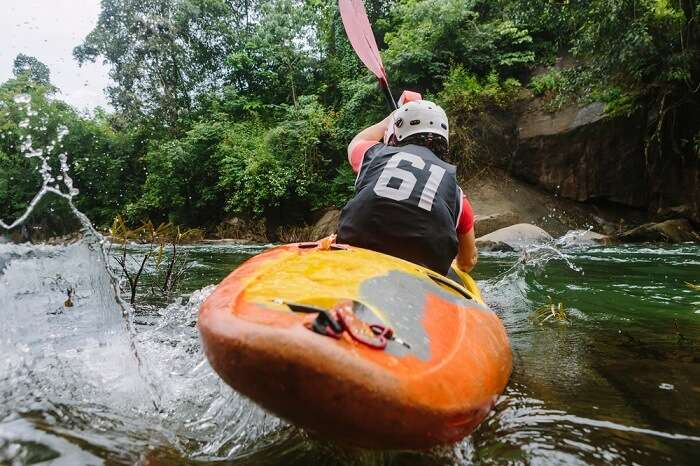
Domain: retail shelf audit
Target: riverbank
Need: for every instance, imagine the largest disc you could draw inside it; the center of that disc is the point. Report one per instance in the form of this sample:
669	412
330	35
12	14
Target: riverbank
500	200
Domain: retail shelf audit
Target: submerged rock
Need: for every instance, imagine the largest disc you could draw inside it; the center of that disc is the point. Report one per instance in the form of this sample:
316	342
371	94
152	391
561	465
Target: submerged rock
670	231
499	246
513	237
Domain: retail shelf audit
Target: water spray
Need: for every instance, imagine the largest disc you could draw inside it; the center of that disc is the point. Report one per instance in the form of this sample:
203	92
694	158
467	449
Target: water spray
51	184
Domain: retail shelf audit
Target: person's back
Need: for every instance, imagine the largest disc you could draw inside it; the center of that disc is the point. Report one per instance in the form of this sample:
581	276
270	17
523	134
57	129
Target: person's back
407	202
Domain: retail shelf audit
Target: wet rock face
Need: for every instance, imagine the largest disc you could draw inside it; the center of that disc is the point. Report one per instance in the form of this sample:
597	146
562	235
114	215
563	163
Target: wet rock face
585	155
536	123
581	155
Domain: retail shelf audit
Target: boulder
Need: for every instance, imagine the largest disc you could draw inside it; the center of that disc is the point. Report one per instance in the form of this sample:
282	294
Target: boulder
674	212
498	246
485	224
513	237
326	225
588	236
670	231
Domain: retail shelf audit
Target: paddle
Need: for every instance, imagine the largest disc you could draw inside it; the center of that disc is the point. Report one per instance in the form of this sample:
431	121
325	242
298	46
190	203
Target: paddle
361	38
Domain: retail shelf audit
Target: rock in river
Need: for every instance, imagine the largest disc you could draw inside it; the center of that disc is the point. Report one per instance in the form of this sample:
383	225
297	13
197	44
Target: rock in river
670	231
513	237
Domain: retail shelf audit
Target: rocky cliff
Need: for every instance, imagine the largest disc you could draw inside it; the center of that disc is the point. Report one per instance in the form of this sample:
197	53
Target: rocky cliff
582	154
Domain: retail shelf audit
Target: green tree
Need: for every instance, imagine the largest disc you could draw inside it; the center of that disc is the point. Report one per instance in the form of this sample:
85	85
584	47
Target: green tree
106	166
656	41
182	181
32	69
27	114
163	54
431	35
284	172
276	60
103	163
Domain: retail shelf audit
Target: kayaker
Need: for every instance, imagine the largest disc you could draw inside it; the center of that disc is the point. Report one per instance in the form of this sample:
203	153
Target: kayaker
407	202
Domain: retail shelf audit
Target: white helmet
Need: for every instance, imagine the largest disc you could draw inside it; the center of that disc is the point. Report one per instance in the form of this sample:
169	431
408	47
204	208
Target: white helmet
419	116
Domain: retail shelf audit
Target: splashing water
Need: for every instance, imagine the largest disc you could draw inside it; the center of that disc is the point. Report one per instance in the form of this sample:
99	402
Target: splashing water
75	358
50	183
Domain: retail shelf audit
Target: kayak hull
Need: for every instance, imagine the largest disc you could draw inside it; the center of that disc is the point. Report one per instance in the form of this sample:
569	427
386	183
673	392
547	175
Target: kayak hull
433	387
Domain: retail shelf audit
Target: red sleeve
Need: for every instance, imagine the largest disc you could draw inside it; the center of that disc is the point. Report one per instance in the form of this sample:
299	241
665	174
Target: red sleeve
465	222
358	154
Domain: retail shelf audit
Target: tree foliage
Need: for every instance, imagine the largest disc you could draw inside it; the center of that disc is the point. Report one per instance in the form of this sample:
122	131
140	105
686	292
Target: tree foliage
99	157
163	54
245	107
431	35
32	69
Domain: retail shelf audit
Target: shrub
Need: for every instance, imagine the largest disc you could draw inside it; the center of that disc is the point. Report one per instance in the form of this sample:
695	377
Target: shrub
464	92
617	102
474	106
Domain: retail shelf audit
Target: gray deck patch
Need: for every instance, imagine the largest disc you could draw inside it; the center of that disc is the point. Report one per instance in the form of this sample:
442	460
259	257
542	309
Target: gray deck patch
402	296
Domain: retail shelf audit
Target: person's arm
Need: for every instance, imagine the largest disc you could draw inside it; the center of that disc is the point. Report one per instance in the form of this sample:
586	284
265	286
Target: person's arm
468	254
373	133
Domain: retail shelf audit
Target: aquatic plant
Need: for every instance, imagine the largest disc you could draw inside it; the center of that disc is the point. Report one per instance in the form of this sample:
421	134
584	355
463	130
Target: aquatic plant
169	270
550	312
693	286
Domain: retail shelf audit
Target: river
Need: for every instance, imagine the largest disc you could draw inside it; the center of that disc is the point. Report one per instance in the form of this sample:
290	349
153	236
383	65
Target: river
87	382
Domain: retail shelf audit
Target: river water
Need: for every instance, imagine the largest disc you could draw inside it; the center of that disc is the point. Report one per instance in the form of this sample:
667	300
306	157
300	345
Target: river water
616	381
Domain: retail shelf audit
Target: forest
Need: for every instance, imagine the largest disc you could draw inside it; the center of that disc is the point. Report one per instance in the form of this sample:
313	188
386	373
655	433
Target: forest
244	108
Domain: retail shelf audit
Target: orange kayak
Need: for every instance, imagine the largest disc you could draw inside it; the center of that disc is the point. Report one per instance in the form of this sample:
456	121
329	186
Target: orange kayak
357	346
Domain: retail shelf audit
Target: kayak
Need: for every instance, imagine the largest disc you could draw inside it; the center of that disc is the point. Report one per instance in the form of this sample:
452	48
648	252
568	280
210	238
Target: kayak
357	346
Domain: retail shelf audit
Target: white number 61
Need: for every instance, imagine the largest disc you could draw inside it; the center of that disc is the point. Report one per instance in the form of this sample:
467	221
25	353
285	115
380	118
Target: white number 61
408	180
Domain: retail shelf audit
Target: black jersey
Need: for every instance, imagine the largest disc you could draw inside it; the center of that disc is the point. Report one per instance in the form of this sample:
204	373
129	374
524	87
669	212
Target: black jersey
406	204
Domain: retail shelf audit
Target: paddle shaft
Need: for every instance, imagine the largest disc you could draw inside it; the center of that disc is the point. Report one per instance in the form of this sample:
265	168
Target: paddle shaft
387	93
361	37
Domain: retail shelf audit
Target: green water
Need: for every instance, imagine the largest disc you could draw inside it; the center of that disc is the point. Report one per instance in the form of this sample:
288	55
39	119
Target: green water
618	382
621	381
